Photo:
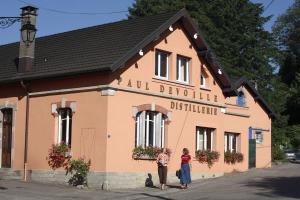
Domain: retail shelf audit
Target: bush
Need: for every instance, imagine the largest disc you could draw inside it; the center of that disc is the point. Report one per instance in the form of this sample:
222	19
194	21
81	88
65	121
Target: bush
233	157
207	156
57	156
277	153
79	170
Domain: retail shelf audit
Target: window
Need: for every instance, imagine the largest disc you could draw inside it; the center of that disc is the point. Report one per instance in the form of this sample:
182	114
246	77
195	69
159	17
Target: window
258	137
202	81
150	129
240	101
231	142
204	138
64	125
182	69
161	64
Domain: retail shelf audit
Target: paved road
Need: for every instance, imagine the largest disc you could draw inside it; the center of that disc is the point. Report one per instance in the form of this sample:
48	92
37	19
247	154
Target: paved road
280	182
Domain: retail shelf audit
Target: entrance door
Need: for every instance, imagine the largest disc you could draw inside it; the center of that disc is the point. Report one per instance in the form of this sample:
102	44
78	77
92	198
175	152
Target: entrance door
252	153
6	138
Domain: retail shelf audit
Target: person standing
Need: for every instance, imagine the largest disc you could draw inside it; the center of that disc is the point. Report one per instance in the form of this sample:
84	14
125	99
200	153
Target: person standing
162	163
185	178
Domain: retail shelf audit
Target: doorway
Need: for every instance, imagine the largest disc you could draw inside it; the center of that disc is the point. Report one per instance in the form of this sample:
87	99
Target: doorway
6	138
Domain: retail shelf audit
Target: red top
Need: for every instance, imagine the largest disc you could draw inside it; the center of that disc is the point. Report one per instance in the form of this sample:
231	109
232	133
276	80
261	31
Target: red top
185	159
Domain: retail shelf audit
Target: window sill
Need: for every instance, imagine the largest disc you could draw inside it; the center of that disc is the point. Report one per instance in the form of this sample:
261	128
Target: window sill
143	157
161	78
204	88
173	82
231	104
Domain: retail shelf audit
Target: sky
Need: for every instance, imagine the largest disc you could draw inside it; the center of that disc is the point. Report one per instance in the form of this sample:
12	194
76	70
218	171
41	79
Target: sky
93	12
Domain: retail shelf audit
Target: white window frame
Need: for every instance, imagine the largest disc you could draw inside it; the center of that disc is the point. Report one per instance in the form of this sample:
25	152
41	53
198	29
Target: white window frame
231	138
143	130
202	84
259	140
180	71
201	141
158	63
67	131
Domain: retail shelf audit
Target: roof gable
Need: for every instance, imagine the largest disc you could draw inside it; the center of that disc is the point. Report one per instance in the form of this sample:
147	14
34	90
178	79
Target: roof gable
257	97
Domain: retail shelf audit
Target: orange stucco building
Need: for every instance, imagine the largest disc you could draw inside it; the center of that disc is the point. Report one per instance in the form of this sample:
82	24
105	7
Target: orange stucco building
107	89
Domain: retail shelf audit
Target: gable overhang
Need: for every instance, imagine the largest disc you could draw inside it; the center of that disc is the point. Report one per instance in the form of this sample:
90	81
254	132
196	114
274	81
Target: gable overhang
203	49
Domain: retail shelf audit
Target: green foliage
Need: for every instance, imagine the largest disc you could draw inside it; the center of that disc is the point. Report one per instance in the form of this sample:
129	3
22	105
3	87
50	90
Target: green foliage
277	153
79	170
207	156
149	152
287	32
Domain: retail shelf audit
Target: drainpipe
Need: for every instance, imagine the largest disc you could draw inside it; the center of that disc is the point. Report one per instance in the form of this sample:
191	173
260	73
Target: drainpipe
25	87
26	62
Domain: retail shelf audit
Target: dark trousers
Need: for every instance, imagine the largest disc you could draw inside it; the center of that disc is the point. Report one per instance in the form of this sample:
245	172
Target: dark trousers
162	173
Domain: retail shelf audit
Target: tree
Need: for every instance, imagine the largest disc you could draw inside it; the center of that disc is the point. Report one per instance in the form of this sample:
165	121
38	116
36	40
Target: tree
287	32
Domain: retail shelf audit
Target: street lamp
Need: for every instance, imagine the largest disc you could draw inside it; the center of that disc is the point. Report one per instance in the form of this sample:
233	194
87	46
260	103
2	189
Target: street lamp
28	29
28	32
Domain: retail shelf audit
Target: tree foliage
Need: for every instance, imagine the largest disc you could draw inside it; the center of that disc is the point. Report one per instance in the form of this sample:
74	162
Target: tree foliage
287	32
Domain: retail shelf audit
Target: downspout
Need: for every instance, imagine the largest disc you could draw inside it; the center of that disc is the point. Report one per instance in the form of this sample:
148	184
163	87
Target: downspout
25	87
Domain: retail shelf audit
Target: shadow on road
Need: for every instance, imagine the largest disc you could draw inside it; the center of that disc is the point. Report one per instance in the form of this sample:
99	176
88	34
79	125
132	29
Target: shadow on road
279	186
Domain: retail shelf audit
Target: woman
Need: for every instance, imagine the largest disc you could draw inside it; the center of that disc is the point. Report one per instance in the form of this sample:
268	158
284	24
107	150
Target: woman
162	163
185	178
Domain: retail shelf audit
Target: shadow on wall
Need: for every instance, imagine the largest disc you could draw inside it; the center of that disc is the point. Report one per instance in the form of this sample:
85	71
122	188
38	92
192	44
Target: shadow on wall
278	187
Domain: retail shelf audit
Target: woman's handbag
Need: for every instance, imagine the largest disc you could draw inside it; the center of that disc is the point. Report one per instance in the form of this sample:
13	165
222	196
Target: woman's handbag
178	173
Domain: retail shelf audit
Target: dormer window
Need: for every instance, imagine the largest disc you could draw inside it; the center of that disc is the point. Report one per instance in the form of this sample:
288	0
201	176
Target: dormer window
204	79
182	69
162	64
240	101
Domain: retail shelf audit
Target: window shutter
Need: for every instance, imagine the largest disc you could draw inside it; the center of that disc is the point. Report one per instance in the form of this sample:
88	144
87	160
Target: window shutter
205	139
201	139
212	139
225	142
158	130
142	120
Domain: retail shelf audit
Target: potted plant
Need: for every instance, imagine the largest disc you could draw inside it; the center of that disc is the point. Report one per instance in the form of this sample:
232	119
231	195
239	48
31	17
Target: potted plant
233	157
147	153
79	169
207	156
58	155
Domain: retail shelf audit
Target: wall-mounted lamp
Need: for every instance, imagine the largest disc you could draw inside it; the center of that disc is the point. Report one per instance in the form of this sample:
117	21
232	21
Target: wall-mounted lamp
195	36
141	53
219	71
171	28
28	32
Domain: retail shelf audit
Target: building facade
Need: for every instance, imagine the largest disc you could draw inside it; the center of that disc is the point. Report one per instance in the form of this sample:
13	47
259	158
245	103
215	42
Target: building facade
108	89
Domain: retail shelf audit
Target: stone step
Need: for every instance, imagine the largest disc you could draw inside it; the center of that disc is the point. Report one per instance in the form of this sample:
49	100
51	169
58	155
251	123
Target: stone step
10	174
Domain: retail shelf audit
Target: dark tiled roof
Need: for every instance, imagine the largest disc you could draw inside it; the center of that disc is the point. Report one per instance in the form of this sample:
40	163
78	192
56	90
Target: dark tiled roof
83	50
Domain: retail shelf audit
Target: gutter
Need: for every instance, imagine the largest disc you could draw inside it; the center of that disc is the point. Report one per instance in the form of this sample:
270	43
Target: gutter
25	87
